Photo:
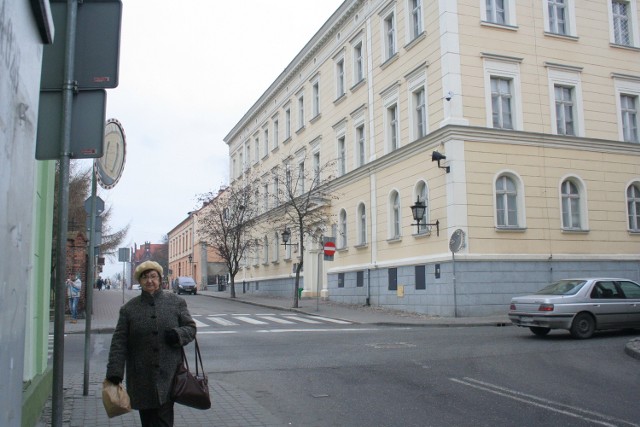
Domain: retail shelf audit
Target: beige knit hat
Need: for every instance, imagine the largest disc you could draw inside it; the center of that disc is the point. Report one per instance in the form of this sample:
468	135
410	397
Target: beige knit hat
146	266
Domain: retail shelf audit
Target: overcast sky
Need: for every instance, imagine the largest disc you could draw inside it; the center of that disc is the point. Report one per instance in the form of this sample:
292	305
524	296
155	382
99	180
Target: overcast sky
189	70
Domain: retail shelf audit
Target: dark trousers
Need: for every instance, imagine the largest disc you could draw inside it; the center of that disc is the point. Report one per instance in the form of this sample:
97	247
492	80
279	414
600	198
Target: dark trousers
157	417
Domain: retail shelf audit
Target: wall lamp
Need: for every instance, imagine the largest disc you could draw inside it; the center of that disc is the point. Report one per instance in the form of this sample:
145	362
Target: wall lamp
418	210
436	157
286	234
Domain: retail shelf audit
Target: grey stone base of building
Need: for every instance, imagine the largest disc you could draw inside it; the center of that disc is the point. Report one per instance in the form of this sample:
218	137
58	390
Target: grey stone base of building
479	288
34	397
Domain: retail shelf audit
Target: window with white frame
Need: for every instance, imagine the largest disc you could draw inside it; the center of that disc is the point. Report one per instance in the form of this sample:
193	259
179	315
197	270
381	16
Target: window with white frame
265	197
342	229
288	184
500	12
276	190
501	99
509	201
256	146
300	111
394	216
276	247
316	166
287	248
287	123
301	178
276	132
361	147
420	112
265	142
560	17
566	96
316	99
623	22
422	195
358	63
392	127
633	206
340	83
342	155
414	9
362	224
573	204
629	112
265	250
417	98
389	35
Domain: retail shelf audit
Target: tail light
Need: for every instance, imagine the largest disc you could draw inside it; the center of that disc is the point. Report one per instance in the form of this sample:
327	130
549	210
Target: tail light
545	307
512	307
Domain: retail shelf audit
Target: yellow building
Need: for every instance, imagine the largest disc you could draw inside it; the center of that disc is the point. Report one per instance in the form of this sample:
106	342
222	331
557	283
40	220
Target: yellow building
531	109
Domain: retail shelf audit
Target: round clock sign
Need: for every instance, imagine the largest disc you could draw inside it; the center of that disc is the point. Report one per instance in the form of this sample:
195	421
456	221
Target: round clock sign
109	167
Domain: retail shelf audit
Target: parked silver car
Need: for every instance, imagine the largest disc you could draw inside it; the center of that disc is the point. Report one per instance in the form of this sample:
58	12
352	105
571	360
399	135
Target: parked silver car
580	306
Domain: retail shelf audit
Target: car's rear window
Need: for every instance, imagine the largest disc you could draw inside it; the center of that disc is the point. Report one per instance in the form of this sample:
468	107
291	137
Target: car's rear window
563	287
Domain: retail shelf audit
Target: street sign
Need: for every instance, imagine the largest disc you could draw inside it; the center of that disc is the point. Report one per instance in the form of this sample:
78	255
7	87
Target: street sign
99	205
329	248
123	254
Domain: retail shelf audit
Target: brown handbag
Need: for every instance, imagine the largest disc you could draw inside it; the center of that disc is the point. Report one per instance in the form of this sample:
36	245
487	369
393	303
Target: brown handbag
189	389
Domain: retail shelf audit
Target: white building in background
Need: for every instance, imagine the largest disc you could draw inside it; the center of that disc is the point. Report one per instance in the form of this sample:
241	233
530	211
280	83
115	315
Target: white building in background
534	106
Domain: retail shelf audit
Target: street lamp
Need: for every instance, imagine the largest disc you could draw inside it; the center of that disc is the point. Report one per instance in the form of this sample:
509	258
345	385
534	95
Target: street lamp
418	210
190	267
286	234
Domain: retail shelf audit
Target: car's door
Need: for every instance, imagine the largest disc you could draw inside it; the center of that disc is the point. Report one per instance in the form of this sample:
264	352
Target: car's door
609	305
631	291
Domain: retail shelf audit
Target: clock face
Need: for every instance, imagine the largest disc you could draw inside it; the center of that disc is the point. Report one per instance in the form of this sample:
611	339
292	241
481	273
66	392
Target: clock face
111	164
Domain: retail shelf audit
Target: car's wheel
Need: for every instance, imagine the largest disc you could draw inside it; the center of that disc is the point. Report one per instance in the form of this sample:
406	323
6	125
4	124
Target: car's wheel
539	330
583	326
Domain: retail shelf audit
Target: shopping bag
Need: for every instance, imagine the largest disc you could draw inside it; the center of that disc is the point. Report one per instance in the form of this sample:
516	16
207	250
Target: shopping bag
189	389
115	399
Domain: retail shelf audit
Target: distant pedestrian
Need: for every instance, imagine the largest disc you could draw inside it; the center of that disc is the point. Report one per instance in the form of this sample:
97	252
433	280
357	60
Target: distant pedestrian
100	283
147	341
73	293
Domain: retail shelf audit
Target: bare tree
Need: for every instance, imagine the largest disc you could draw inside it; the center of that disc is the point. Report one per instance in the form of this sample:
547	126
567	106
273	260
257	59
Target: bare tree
303	200
224	223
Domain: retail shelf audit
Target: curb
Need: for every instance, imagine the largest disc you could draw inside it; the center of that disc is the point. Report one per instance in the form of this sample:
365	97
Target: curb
633	348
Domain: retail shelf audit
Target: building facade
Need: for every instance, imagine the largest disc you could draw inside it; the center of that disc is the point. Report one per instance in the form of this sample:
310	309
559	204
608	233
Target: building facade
515	123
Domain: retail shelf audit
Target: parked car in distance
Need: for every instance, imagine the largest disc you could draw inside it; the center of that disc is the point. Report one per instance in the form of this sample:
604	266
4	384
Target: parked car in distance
581	306
184	284
136	287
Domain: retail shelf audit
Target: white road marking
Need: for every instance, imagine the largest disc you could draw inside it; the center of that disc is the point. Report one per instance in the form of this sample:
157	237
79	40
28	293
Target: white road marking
300	319
200	324
327	319
276	319
222	322
250	320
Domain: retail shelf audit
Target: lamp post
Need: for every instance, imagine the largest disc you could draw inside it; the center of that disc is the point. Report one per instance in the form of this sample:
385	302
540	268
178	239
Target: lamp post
286	234
418	211
190	267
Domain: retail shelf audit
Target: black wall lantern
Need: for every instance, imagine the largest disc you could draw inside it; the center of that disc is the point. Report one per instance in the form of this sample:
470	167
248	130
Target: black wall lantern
418	211
436	157
286	235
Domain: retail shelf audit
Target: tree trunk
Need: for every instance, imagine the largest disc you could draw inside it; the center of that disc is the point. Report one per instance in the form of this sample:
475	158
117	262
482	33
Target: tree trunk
232	287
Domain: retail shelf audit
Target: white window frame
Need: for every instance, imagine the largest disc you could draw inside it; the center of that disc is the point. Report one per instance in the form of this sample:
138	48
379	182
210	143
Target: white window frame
567	78
276	131
358	61
633	207
389	33
340	76
361	223
507	68
391	98
634	33
582	203
287	122
301	119
342	229
521	216
341	152
395	215
265	250
421	192
359	138
256	148
630	87
265	141
509	12
415	19
315	100
416	83
570	18
276	247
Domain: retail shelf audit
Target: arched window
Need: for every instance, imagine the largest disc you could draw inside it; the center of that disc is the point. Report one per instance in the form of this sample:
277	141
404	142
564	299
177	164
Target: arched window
276	247
506	202
394	215
342	229
571	205
633	206
362	224
265	250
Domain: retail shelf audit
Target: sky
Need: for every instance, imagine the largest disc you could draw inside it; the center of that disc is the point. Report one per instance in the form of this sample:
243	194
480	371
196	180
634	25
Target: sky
188	72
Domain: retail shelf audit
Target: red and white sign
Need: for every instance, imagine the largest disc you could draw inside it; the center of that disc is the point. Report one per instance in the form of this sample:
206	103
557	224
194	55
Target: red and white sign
329	248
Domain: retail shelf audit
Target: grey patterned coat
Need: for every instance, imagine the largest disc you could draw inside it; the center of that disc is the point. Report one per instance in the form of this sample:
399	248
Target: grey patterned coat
139	343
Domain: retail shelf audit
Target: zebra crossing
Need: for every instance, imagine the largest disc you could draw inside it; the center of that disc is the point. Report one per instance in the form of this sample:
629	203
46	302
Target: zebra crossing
264	320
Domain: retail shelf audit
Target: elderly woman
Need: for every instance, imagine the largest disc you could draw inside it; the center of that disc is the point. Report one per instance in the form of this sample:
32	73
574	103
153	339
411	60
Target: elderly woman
151	329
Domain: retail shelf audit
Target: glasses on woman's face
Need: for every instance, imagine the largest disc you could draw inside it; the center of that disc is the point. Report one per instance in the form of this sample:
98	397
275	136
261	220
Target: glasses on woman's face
150	276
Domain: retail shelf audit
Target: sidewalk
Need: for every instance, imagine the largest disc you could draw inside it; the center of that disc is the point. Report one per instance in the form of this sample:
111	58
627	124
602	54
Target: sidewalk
231	407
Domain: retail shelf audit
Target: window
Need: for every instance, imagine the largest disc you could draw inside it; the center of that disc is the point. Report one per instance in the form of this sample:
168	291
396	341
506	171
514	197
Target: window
571	205
422	194
557	16
394	215
359	279
301	178
342	156
420	277
629	111
633	206
265	142
341	280
496	11
501	103
316	99
420	111
415	18
287	123
623	22
358	64
342	229
265	250
256	145
392	127
389	42
300	111
276	133
276	191
564	110
360	146
362	224
340	85
265	197
393	279
506	202
276	247
316	167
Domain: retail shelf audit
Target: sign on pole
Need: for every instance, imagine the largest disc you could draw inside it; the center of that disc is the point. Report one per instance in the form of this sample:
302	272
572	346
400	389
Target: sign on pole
329	248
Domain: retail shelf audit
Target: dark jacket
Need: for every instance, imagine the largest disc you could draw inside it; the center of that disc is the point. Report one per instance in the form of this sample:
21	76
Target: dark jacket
139	343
